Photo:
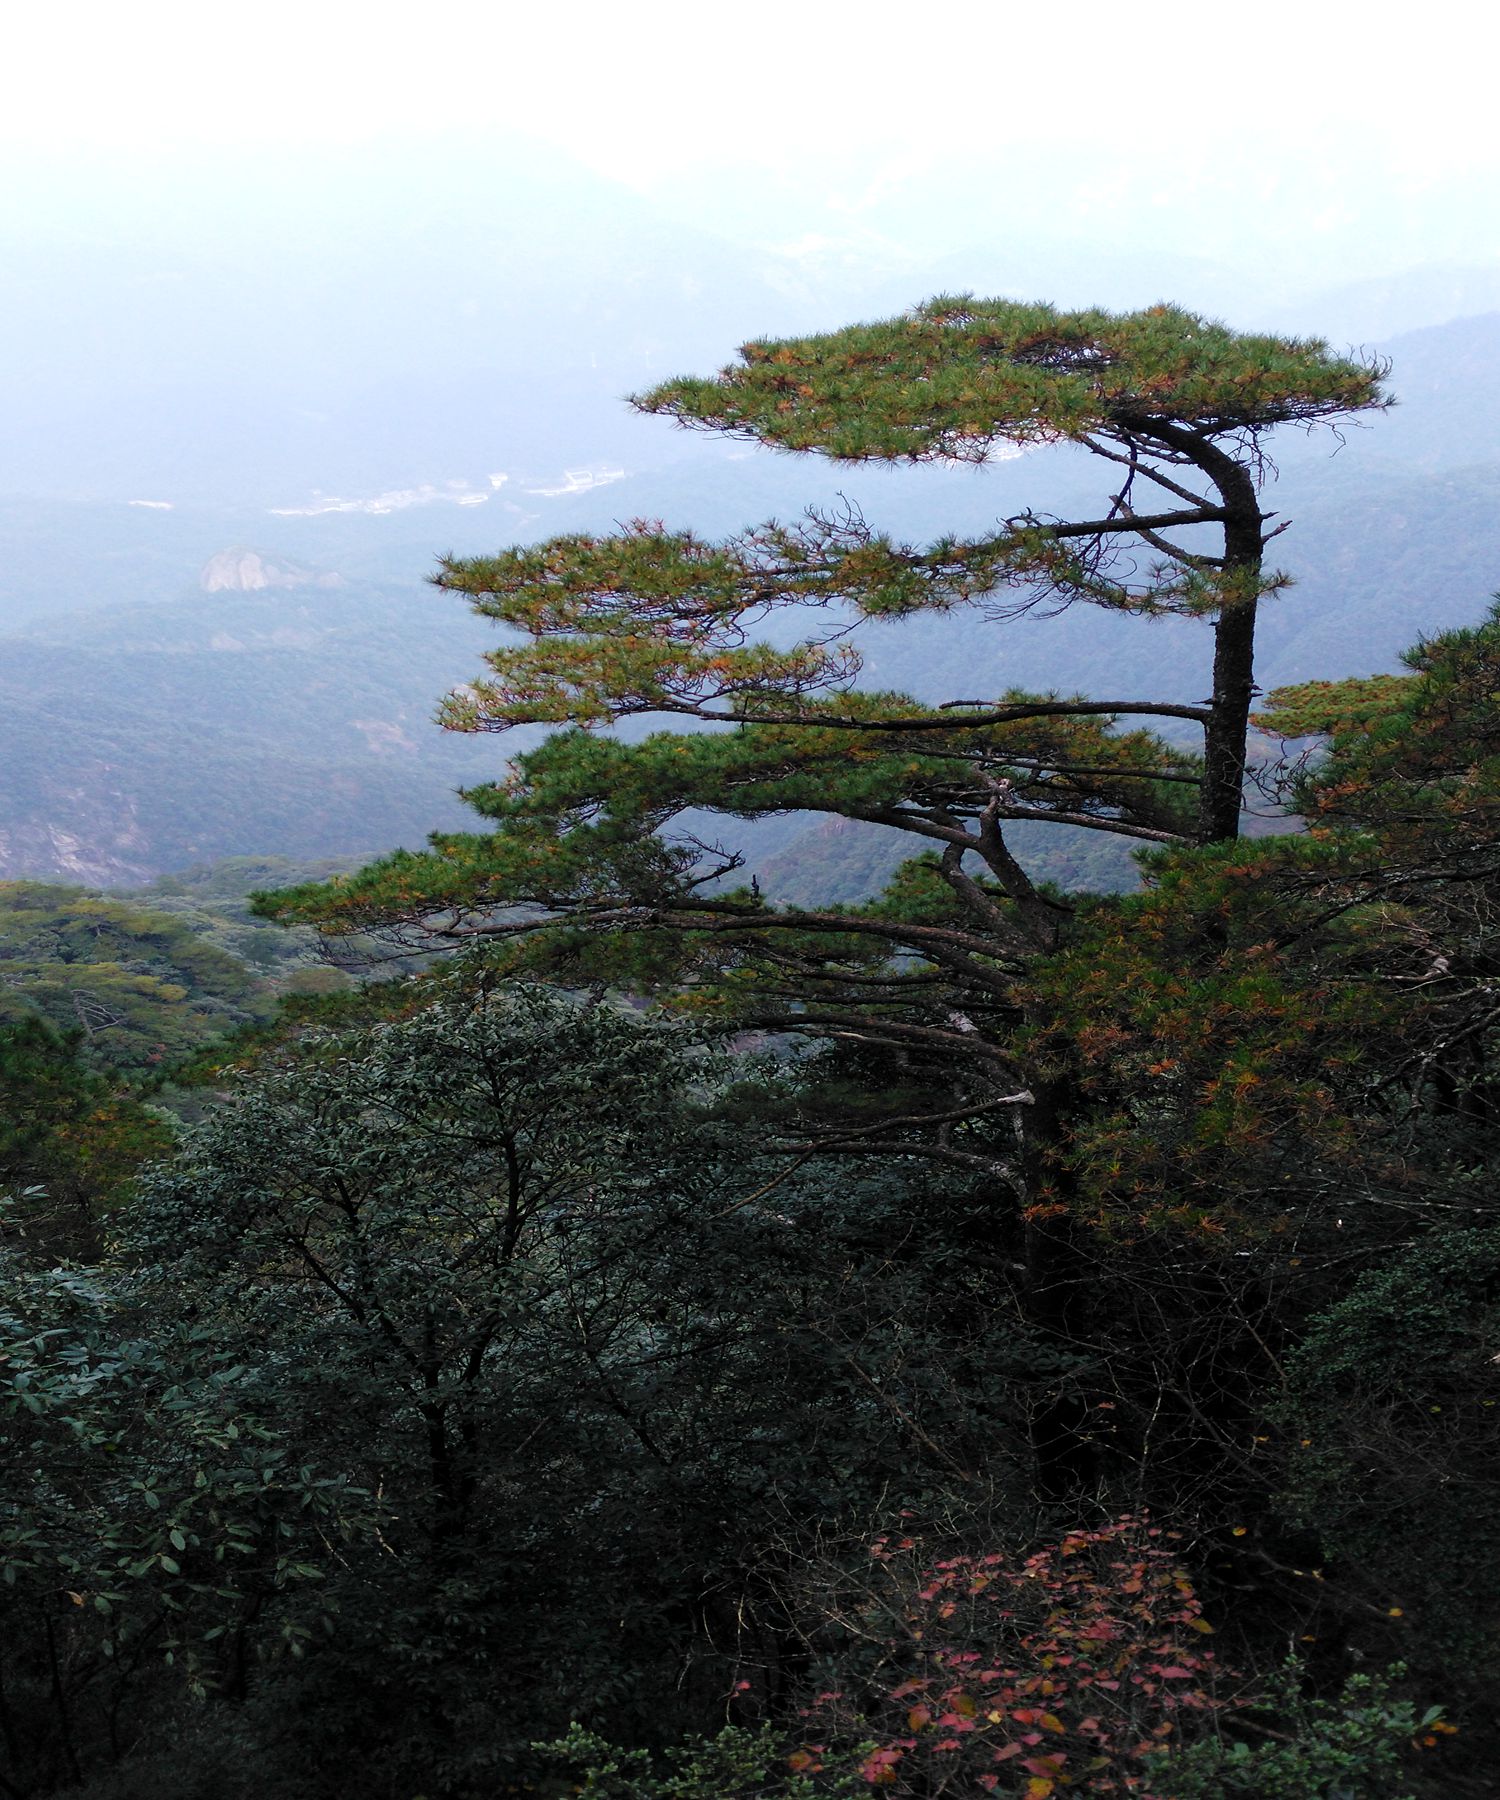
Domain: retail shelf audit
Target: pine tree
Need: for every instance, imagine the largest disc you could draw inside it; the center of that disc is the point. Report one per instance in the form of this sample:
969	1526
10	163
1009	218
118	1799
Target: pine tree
580	872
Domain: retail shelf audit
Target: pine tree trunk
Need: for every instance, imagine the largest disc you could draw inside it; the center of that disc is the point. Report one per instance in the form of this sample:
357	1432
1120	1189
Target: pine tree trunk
1220	797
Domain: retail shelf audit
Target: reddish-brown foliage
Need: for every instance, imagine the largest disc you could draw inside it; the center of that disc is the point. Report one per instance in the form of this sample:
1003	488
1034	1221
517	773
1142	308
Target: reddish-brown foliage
1065	1670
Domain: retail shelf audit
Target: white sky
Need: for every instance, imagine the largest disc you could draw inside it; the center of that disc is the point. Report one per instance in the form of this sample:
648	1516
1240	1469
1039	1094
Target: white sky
1307	141
647	90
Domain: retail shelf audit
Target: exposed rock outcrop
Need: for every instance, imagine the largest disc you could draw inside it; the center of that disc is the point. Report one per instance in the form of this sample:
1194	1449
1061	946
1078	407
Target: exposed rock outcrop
241	571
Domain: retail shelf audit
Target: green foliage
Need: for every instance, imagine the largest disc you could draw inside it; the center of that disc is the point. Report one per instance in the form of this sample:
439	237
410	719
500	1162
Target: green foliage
1415	760
150	1509
572	1356
1349	1749
138	987
99	991
1213	1031
1333	708
1353	1748
507	1268
213	901
1295	1018
68	1134
958	375
737	1764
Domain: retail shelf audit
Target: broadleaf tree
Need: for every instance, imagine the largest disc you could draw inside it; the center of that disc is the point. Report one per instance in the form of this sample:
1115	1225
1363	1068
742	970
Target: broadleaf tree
590	866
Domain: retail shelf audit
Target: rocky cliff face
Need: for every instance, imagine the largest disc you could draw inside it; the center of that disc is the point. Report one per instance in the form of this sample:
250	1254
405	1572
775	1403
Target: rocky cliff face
241	571
89	833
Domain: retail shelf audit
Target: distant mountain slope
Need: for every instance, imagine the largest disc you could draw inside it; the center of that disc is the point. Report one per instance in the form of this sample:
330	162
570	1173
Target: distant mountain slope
230	724
1447	381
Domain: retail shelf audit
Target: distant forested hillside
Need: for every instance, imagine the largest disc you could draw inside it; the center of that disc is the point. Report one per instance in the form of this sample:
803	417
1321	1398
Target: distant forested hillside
143	980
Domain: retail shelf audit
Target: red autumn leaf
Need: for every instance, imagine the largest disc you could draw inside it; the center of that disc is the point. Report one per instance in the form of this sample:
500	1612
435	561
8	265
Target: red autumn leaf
1050	1766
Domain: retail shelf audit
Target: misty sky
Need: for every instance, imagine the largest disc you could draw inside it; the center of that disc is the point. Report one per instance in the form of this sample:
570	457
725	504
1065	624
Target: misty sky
1346	141
264	252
